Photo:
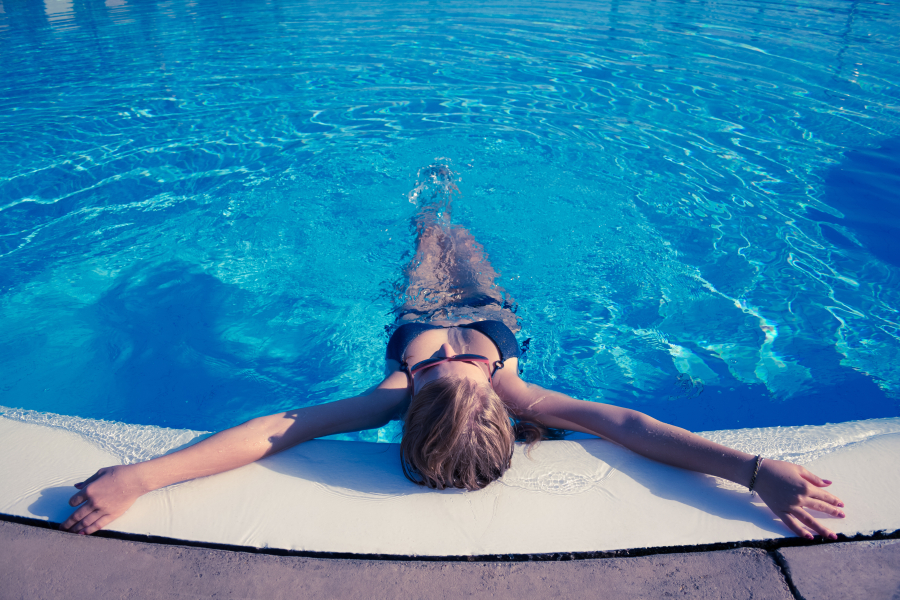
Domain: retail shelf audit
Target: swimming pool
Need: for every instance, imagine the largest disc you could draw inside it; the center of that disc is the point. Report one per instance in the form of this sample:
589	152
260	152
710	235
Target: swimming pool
203	206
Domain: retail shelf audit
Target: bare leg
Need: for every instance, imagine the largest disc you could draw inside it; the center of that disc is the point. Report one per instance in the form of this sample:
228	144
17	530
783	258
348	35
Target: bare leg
450	276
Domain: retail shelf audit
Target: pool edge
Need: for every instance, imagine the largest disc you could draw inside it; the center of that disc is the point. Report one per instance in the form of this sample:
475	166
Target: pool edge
768	545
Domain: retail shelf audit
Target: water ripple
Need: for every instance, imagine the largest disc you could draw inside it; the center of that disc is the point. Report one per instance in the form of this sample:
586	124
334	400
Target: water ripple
651	179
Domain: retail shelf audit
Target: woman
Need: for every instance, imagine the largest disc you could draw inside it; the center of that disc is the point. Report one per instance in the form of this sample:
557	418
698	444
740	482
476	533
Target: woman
452	376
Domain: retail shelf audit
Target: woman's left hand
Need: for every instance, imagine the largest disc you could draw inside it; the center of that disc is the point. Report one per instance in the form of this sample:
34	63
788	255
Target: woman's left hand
790	489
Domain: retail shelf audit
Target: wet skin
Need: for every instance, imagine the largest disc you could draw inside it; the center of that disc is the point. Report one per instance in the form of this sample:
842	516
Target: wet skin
450	266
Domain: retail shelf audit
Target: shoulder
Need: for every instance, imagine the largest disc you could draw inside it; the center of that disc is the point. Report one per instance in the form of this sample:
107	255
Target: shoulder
512	389
391	367
394	377
392	393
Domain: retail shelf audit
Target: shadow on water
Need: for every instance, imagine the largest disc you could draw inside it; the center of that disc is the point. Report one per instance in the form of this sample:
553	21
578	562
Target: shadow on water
177	351
865	188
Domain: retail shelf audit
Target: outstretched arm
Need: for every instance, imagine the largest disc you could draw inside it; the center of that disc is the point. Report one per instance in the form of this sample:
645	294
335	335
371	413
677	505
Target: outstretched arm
111	491
786	488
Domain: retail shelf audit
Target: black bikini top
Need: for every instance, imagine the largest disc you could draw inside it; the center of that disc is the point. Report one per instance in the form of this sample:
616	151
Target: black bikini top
496	331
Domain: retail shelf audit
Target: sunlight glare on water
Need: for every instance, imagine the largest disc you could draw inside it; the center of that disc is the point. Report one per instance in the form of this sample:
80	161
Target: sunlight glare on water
204	205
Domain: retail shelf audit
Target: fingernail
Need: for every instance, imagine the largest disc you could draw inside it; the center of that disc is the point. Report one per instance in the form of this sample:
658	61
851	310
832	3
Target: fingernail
841	515
809	536
841	504
826	481
833	536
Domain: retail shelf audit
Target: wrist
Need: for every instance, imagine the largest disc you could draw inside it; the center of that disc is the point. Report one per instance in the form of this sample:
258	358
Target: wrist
140	477
754	478
742	471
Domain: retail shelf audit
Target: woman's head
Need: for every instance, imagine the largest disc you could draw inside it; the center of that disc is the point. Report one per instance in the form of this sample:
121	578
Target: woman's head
457	434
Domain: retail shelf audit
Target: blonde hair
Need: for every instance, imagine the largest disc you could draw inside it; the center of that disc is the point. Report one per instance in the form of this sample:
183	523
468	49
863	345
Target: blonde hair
457	433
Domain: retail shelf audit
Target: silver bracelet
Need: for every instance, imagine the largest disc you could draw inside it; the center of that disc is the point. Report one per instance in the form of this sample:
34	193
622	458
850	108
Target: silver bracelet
759	460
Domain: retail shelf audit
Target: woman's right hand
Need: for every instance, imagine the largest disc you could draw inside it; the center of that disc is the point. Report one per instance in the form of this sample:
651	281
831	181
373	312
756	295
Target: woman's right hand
107	494
104	497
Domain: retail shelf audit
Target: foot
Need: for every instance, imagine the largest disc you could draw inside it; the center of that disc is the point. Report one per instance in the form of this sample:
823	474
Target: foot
433	195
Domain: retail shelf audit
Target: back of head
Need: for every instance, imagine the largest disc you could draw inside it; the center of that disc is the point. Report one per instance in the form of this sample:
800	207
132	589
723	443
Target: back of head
458	434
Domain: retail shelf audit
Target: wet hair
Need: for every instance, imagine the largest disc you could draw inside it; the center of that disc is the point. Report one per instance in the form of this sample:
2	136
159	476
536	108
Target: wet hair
458	433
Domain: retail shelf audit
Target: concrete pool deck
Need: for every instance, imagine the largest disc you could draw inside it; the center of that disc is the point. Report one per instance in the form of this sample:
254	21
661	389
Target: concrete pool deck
337	520
37	562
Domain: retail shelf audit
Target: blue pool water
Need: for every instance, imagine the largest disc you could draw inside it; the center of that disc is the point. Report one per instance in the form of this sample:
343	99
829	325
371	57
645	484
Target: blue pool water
203	205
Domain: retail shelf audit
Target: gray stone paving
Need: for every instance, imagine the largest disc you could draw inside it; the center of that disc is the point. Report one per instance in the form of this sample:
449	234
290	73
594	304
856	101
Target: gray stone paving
850	571
42	563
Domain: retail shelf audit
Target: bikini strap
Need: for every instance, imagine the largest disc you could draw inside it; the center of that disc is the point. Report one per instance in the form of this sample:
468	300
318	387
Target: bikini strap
404	366
498	364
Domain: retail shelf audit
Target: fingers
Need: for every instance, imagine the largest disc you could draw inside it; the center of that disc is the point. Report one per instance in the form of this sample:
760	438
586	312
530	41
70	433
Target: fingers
824	507
98	525
80	498
799	520
826	497
810	522
76	517
88	521
795	526
788	490
90	479
100	498
78	527
814	479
